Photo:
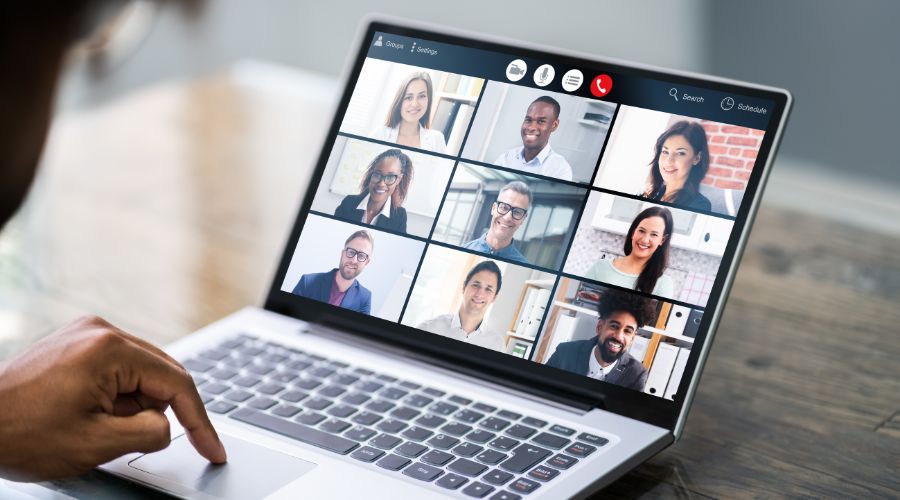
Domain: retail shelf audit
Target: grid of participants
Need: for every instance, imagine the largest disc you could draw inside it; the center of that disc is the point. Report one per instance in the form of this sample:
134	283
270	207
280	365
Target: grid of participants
568	231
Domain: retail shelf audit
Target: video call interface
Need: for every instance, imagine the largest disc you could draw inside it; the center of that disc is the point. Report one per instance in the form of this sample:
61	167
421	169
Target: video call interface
525	211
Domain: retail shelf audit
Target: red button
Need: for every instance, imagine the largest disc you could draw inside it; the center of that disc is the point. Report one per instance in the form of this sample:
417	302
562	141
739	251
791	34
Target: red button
601	85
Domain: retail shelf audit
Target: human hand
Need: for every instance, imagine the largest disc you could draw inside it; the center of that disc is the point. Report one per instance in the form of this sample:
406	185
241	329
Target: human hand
90	393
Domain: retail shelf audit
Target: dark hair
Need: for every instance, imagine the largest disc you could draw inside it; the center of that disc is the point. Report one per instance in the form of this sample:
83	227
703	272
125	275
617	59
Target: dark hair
654	268
363	234
518	187
406	168
393	116
696	136
642	308
548	100
485	265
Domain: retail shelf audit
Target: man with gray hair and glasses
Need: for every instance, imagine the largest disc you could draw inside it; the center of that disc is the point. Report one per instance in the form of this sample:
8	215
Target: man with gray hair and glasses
508	212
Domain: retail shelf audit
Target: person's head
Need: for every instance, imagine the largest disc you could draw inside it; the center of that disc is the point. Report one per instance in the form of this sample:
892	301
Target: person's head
388	177
356	254
541	120
412	103
648	240
480	288
621	314
510	210
680	162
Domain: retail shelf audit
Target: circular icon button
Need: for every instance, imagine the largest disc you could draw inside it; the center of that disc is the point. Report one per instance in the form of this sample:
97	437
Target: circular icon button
544	75
601	85
516	70
727	103
572	80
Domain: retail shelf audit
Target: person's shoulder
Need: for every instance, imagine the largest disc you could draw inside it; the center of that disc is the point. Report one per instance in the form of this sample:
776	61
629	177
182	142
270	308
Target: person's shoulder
435	322
472	245
351	201
630	363
382	132
665	286
574	346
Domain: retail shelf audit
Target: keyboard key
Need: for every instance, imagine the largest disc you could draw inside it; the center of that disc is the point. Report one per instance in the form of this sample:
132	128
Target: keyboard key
355	399
490	457
317	403
422	472
222	374
332	391
341	411
479	436
385	441
307	384
525	457
442	408
259	369
367	454
386	378
334	425
417	401
344	379
392	426
301	433
443	442
437	457
456	429
310	418
534	422
293	396
283	377
215	354
409	385
250	350
504	443
505	495
380	406
286	411
468	416
392	393
368	386
366	418
274	358
417	433
198	379
559	429
494	424
392	462
360	433
592	439
246	381
451	481
497	477
405	413
220	407
520	431
543	473
486	408
198	365
523	485
467	467
467	450
238	395
363	371
261	403
509	415
339	364
580	449
459	400
550	440
478	490
206	398
299	365
561	461
433	392
215	388
314	357
270	388
410	449
321	372
232	343
431	421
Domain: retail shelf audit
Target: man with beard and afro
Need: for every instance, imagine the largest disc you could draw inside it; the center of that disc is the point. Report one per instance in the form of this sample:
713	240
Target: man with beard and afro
605	357
339	287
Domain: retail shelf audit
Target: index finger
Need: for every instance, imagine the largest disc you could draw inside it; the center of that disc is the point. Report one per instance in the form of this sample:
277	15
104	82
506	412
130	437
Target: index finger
161	380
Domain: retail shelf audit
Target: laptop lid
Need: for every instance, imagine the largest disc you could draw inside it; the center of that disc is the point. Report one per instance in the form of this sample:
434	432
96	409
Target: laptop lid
563	223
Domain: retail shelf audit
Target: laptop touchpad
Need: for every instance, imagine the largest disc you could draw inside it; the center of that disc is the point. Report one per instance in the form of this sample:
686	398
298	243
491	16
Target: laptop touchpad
251	472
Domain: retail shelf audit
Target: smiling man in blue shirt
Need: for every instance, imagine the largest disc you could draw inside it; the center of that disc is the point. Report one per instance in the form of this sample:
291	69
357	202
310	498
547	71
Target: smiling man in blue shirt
507	214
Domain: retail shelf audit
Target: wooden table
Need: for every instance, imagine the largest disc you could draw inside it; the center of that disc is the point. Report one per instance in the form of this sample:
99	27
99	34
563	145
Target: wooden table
167	209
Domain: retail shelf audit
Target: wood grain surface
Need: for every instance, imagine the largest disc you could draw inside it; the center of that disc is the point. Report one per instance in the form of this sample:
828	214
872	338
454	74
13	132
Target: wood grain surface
167	209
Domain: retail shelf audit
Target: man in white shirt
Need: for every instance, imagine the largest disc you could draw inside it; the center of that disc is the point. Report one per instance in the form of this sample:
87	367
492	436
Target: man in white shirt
536	156
480	289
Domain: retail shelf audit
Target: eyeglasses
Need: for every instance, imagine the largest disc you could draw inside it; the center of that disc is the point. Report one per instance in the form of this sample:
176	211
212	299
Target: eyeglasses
359	256
388	179
504	208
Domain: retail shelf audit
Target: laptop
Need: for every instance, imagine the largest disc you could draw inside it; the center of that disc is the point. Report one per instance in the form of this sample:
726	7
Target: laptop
503	281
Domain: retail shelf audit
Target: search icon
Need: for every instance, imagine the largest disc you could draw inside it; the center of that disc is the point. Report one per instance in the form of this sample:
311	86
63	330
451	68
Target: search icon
674	93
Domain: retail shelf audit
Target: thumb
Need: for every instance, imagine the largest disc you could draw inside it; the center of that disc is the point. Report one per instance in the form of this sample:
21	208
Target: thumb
146	431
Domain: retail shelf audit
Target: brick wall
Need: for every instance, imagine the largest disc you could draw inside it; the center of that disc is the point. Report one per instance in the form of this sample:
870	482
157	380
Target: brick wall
732	154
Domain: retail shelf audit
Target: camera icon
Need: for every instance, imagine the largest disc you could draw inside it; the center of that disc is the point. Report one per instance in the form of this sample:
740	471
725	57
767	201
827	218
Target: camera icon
516	70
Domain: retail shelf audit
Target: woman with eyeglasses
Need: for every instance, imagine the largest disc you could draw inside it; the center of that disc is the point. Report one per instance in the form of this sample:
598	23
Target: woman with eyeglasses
382	191
646	256
408	122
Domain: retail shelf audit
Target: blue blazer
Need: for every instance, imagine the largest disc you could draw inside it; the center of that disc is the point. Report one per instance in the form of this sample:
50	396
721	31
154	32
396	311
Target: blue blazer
347	210
575	357
317	286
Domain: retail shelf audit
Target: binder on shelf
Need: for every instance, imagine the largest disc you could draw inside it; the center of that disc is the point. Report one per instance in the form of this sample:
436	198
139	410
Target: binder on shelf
525	312
639	347
678	318
661	369
677	372
693	323
537	313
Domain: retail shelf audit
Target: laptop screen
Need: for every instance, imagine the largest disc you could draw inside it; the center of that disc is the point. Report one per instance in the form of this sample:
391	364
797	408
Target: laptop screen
530	210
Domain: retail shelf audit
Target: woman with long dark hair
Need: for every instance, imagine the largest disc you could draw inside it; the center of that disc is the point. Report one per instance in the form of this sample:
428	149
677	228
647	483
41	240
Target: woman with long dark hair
680	163
646	256
408	121
381	193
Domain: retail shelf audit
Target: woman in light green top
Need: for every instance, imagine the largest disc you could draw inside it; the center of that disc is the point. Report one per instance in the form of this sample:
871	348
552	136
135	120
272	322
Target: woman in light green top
646	256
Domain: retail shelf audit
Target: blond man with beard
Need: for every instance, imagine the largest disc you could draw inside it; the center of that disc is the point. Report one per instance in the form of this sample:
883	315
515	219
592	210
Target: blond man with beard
339	287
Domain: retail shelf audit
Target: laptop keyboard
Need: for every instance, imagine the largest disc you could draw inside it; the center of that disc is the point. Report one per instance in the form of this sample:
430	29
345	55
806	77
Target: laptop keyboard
424	433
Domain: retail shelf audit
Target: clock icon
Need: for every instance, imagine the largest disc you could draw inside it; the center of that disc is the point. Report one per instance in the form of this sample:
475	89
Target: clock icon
727	103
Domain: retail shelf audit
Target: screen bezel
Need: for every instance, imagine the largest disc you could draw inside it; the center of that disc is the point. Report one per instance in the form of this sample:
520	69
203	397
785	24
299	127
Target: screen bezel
500	367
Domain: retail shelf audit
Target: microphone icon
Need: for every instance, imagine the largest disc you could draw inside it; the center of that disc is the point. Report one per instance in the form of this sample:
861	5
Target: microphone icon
544	75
